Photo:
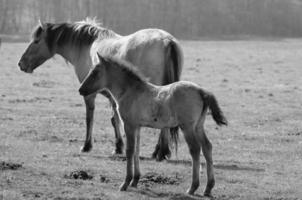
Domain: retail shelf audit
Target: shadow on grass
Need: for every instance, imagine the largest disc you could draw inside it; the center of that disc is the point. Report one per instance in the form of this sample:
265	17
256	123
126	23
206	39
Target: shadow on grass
169	195
222	166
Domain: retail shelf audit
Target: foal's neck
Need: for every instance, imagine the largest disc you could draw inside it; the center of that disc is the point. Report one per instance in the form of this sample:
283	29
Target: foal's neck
120	85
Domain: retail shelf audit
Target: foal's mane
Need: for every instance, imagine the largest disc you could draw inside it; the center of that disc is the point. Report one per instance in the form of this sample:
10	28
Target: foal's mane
131	71
78	34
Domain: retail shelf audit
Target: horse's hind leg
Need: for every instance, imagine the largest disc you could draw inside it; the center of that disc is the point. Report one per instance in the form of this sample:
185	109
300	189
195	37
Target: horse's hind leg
162	150
116	123
207	152
90	103
194	148
130	145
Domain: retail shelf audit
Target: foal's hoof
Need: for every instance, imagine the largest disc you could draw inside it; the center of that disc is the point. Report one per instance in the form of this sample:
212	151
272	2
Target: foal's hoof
86	148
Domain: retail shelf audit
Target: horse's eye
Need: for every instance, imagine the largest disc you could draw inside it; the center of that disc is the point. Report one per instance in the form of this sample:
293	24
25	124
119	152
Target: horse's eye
36	41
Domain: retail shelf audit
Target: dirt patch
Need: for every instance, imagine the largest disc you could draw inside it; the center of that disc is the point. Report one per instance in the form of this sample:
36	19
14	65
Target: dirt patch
104	179
32	100
44	84
79	174
9	165
155	178
295	133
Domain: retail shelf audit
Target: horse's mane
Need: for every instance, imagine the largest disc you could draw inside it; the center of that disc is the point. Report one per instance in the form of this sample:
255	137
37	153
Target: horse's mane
78	34
126	67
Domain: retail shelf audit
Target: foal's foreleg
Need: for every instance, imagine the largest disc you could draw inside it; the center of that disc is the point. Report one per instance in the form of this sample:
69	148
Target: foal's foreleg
130	145
137	172
90	104
116	123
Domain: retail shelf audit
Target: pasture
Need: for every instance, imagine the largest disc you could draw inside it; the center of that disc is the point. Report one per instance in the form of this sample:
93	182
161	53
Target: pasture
258	156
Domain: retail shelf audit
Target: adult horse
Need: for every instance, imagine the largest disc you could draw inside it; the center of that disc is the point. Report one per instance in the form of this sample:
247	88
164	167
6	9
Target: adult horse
156	52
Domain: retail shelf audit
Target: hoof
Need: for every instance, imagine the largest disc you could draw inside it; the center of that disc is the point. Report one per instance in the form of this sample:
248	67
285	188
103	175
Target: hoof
124	187
86	148
206	194
162	155
119	145
190	191
154	154
117	152
133	183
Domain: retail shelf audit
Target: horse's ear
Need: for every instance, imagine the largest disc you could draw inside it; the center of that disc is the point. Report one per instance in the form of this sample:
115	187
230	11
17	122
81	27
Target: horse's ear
101	59
42	24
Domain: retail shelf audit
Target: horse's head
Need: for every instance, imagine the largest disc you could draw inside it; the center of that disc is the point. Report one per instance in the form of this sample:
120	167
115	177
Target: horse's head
96	79
37	52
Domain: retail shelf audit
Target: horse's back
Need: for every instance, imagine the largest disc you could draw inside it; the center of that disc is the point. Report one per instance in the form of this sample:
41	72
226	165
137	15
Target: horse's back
145	49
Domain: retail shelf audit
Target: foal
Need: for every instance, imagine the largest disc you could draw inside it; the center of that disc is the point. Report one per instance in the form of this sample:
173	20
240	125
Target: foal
142	104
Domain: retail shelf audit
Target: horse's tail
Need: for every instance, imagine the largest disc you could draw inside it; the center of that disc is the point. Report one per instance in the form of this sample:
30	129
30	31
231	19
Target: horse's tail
173	69
173	62
211	102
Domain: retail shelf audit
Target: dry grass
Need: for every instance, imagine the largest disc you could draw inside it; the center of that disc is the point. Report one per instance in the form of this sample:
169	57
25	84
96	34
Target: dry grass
259	156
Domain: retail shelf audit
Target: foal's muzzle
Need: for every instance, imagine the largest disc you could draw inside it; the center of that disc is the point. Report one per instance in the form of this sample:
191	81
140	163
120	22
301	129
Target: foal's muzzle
83	92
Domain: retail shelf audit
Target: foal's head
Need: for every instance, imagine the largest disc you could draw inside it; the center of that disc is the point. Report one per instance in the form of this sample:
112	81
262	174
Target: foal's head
96	79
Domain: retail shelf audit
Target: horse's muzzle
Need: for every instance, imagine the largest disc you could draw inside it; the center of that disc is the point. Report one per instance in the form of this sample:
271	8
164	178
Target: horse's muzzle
24	68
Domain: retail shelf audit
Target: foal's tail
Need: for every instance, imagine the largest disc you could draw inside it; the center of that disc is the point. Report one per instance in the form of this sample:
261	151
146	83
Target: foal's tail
211	102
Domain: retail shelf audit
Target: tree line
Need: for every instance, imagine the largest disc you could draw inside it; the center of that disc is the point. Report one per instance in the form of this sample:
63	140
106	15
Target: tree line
187	19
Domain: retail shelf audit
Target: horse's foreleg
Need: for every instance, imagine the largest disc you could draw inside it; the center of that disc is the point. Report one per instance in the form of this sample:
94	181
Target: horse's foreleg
162	150
130	144
137	172
116	123
90	104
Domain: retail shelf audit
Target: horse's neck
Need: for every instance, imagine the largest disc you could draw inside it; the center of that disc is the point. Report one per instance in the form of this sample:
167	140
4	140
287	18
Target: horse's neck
80	59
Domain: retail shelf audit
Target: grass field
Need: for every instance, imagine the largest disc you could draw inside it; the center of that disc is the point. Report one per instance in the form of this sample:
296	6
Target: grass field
258	156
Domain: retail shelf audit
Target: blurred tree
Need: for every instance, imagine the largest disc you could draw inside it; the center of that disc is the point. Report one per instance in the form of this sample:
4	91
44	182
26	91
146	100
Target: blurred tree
185	19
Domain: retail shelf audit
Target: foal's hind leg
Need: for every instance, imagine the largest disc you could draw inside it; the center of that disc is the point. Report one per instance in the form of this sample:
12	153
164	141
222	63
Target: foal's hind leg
162	150
194	148
90	104
207	152
116	123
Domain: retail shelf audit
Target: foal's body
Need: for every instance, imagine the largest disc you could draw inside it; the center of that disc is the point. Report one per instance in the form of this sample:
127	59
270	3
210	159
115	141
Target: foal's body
181	104
159	107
